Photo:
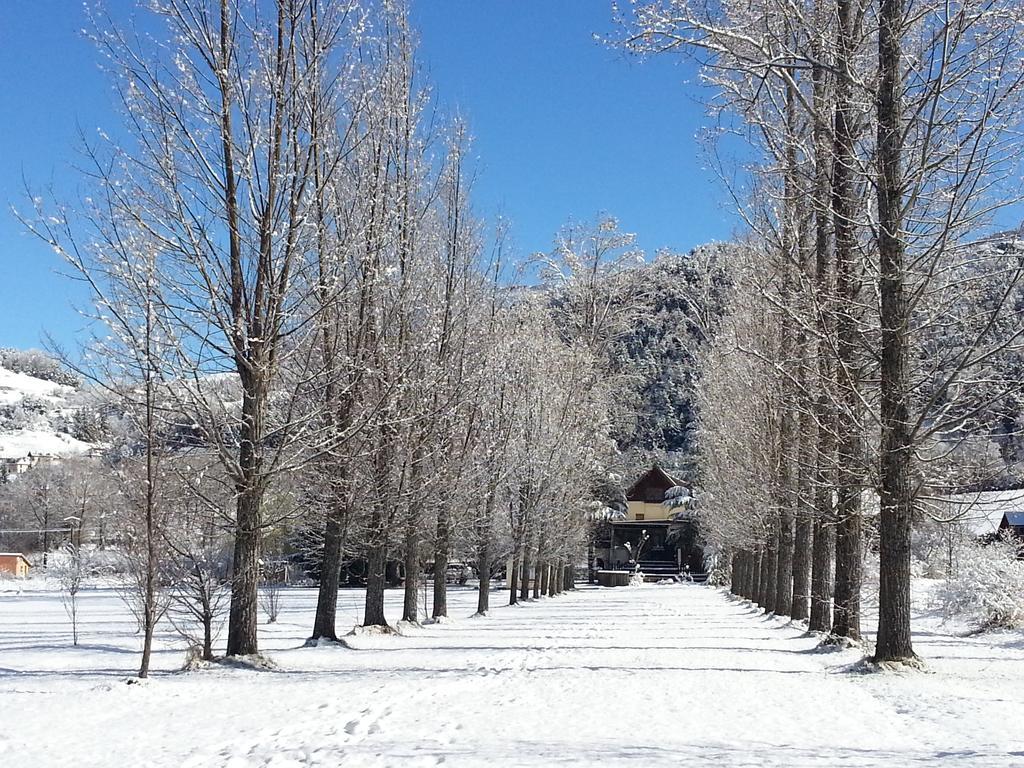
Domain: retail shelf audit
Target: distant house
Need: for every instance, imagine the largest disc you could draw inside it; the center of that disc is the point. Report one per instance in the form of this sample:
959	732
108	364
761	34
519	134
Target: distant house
14	564
1013	524
18	465
658	534
646	497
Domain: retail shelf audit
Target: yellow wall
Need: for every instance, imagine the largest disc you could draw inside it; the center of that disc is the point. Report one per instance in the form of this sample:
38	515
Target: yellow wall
649	511
14	566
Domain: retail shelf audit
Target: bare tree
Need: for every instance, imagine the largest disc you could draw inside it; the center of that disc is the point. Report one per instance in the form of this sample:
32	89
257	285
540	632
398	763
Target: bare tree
942	165
216	185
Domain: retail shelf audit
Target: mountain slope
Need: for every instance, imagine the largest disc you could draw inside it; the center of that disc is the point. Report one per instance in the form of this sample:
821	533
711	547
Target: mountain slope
37	416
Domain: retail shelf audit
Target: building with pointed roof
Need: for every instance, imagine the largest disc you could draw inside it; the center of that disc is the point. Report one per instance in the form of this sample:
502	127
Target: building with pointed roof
659	534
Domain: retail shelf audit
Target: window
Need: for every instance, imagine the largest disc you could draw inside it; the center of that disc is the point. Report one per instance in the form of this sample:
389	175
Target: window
639	515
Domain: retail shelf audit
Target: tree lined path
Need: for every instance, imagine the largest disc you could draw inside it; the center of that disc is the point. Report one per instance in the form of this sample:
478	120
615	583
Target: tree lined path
652	676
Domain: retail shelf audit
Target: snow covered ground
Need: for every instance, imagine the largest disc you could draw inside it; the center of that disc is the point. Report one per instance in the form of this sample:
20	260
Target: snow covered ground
653	676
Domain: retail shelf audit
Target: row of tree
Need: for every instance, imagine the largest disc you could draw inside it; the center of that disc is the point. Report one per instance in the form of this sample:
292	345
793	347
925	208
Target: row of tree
872	329
303	323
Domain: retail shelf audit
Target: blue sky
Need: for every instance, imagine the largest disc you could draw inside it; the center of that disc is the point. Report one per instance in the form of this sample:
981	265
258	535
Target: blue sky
564	128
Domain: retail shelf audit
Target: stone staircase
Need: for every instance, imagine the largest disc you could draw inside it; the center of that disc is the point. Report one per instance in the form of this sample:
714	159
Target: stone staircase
656	570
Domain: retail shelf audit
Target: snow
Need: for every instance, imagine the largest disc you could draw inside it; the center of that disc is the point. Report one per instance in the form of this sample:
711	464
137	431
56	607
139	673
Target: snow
15	387
18	443
35	437
657	675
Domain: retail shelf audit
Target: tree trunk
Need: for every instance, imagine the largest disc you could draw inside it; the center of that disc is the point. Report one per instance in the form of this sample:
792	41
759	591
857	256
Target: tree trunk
755	575
803	539
483	566
820	618
567	578
148	625
410	605
740	581
806	375
849	568
784	565
824	516
483	597
46	534
376	581
803	542
149	598
442	548
893	642
738	575
207	635
846	620
325	619
250	365
769	565
821	577
513	579
524	588
243	615
782	601
540	568
751	569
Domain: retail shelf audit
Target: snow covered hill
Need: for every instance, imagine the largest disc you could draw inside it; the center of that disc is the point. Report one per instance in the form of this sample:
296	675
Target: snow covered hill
37	417
16	387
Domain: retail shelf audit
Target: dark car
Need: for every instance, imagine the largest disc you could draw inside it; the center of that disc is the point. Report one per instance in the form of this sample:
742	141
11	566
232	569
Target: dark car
354	572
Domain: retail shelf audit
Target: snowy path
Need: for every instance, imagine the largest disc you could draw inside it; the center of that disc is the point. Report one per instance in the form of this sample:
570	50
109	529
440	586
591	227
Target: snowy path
651	676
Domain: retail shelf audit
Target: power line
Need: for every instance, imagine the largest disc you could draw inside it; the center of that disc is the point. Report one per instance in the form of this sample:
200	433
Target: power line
38	530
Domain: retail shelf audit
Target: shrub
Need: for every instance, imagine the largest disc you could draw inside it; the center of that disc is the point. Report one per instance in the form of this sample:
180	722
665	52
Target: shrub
986	586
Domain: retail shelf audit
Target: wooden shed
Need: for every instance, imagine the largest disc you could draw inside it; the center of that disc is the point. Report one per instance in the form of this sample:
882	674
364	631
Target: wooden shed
14	564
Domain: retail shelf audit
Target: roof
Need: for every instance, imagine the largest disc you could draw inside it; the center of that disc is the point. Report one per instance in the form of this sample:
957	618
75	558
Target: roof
654	475
14	554
1014	519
